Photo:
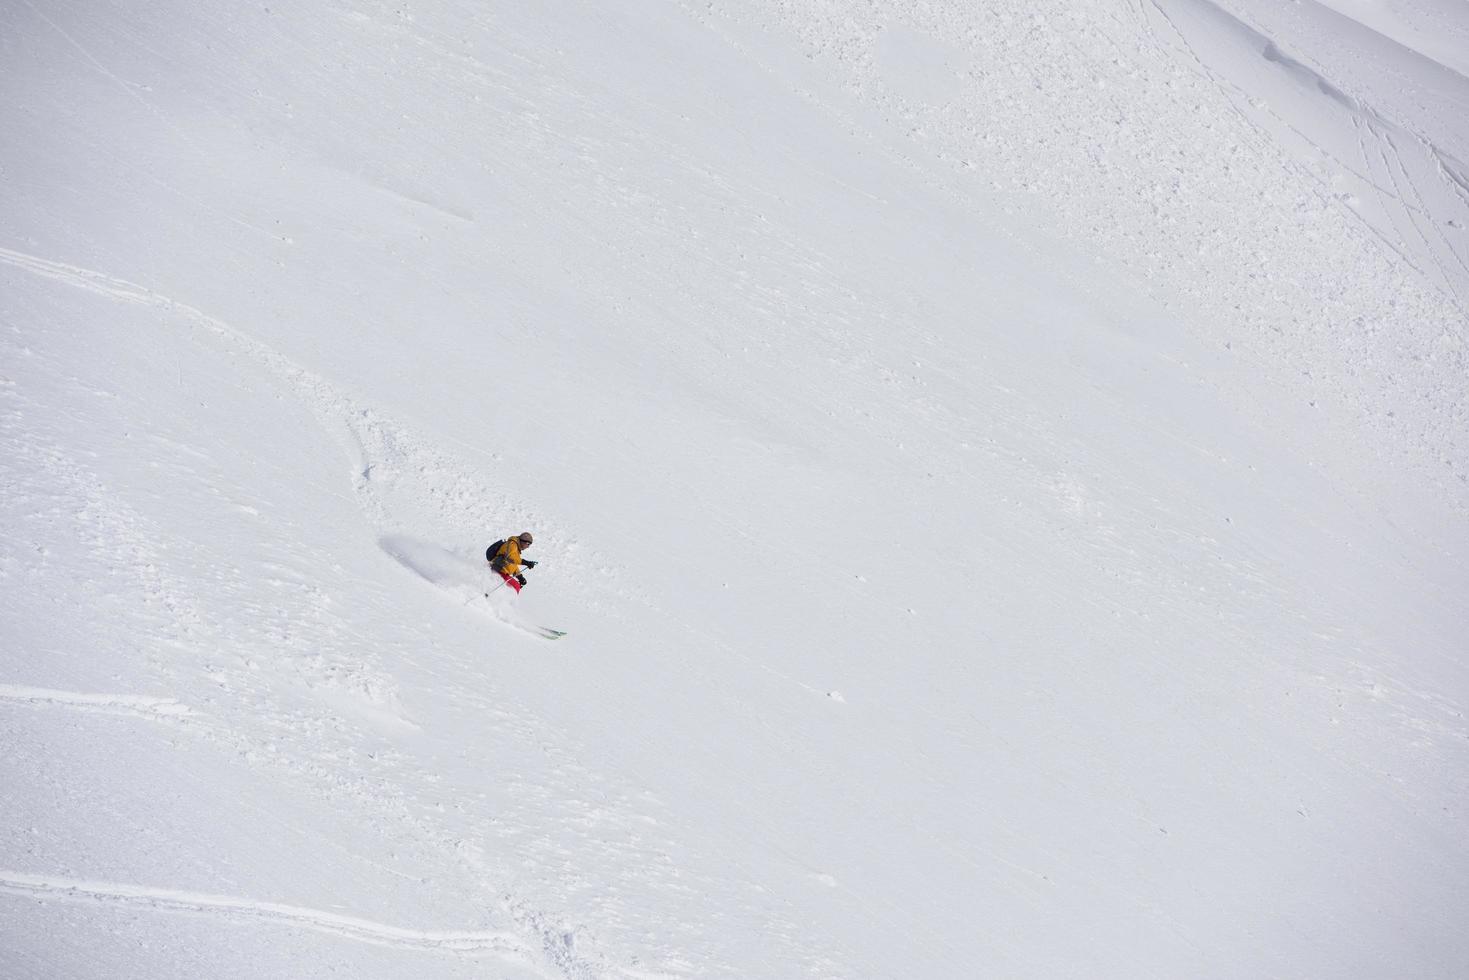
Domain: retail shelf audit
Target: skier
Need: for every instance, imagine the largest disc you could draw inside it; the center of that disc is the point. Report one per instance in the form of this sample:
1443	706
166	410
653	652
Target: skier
504	558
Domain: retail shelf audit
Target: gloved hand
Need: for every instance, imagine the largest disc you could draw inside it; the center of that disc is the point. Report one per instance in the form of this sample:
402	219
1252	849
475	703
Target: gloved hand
527	563
520	579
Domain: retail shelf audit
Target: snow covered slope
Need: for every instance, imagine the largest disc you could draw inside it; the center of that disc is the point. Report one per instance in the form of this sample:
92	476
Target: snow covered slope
1002	469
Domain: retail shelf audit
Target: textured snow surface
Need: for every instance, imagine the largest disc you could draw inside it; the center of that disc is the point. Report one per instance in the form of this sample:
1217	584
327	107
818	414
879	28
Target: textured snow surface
1003	468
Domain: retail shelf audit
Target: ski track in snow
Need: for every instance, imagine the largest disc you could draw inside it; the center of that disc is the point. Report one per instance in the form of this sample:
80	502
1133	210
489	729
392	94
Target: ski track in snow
240	910
1401	198
332	408
389	465
154	709
379	451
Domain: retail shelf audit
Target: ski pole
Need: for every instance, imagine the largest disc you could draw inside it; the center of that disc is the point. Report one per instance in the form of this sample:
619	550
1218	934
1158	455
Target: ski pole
503	582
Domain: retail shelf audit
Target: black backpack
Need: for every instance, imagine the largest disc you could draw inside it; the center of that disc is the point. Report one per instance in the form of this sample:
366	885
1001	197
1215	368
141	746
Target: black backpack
497	561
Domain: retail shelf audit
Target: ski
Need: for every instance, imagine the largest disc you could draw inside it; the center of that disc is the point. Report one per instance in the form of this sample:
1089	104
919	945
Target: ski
544	632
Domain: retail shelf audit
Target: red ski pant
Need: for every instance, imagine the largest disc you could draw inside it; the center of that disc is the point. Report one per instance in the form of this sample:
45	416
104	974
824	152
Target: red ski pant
511	581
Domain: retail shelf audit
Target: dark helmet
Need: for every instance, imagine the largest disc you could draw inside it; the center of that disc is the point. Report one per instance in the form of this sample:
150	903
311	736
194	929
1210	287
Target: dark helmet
524	538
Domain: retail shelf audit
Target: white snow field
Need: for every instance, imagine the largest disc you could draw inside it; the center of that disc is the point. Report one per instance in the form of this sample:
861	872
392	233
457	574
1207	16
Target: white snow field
1003	469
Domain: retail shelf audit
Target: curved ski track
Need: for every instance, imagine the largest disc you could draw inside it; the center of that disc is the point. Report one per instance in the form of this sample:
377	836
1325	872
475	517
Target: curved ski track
369	442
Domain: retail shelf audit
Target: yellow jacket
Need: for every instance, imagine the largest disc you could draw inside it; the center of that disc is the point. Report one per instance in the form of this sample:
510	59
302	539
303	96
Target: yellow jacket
509	557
